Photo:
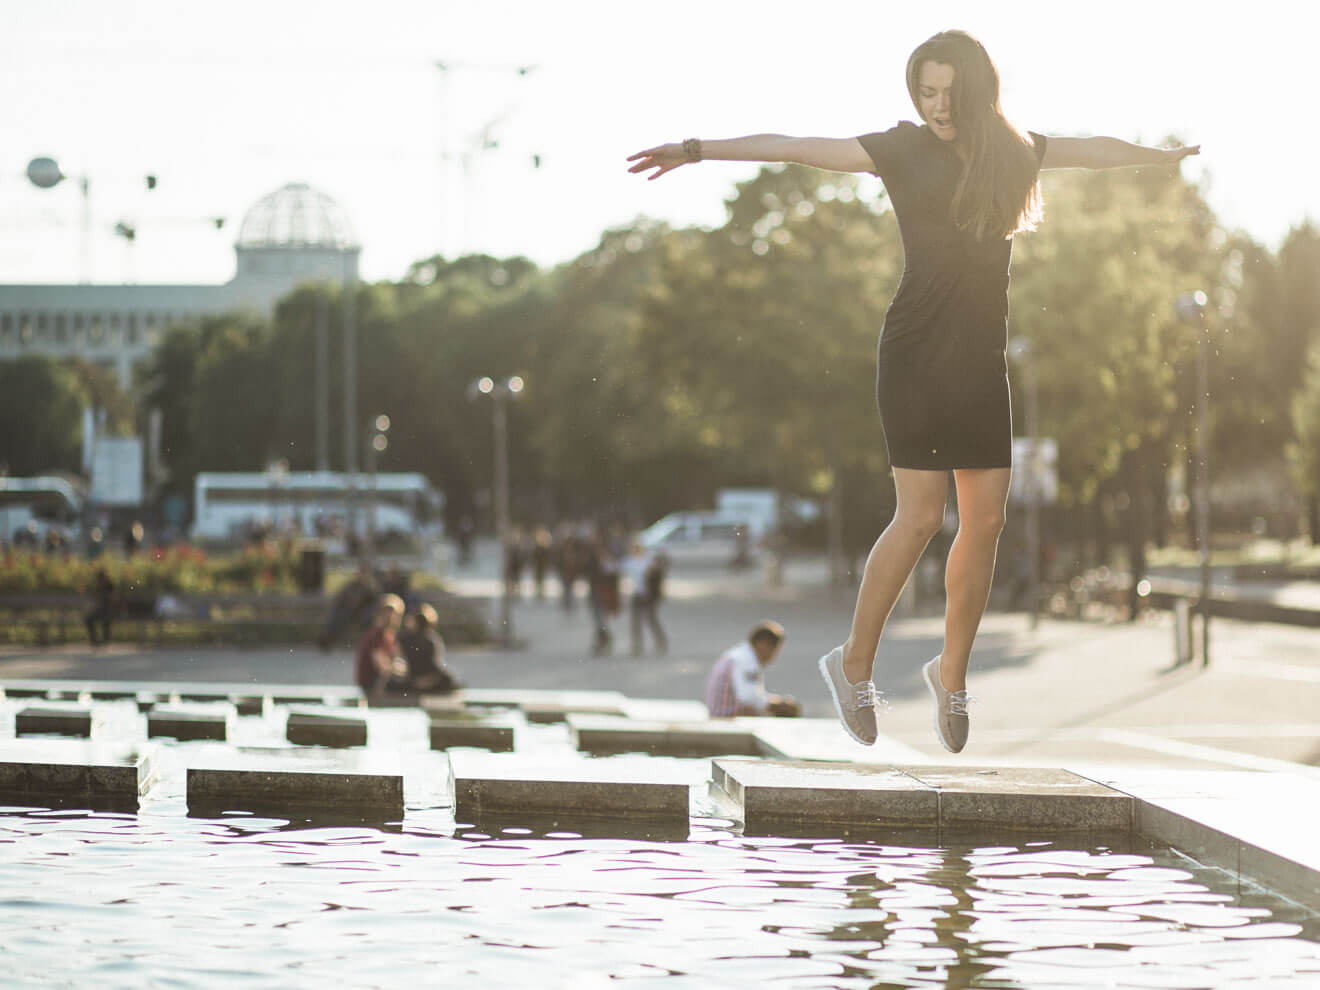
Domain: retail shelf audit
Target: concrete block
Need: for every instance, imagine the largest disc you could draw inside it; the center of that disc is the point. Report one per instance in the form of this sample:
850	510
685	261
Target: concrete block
606	734
1279	872
249	704
773	792
323	729
183	725
57	721
488	733
286	697
547	706
113	694
203	695
24	691
288	785
1025	798
486	787
66	773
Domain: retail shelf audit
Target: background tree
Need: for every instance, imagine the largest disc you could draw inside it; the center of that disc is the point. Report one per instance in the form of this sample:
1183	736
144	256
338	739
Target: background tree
41	406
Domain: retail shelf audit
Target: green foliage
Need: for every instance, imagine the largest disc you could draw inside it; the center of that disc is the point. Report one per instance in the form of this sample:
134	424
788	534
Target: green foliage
180	569
41	406
663	364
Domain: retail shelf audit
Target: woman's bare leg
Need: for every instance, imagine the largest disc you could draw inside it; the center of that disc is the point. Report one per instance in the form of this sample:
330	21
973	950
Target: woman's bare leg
918	517
982	495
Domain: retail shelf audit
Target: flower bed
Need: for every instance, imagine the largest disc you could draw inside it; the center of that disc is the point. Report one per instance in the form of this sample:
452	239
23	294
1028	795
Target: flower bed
179	569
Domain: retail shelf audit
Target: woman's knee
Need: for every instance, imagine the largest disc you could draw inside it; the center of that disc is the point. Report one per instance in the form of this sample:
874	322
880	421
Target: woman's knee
986	524
922	522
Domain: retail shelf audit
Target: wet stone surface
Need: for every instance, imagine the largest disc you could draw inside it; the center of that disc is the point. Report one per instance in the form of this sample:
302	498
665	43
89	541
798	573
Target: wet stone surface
310	728
66	721
609	734
492	734
97	776
184	724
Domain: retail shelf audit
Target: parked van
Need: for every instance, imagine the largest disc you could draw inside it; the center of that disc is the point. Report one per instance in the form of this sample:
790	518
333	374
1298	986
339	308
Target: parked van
701	537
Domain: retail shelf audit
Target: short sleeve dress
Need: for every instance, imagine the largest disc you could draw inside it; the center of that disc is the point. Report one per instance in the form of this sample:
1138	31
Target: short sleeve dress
941	376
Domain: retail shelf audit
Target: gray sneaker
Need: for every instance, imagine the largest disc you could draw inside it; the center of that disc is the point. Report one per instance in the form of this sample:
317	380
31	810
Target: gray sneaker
950	710
855	703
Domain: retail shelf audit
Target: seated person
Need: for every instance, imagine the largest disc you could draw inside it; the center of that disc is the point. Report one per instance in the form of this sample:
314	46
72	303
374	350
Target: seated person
736	685
378	667
424	651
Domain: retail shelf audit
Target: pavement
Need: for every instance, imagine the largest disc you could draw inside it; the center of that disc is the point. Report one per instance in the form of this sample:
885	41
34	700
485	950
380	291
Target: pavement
1065	693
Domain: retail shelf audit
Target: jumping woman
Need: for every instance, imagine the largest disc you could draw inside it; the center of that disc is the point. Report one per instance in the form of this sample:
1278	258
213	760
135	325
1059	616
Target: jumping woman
961	185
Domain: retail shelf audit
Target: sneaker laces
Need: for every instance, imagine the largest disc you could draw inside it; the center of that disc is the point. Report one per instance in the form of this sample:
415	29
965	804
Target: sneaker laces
865	695
958	702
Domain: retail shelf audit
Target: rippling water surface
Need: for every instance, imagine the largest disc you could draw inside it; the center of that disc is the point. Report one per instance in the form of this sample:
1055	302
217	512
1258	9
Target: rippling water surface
164	899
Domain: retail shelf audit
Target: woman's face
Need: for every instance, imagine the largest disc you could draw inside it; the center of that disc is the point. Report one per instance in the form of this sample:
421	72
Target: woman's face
935	98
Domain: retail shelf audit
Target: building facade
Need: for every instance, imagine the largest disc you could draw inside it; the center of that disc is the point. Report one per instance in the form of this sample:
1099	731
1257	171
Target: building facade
294	235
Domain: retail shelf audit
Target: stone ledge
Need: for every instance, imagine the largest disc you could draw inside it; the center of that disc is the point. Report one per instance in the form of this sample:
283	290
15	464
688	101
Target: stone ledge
293	790
184	724
484	787
611	734
767	792
324	729
89	775
802	792
55	721
495	735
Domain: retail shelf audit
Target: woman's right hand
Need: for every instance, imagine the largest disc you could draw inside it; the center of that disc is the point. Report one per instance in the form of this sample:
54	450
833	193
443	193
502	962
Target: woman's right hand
664	158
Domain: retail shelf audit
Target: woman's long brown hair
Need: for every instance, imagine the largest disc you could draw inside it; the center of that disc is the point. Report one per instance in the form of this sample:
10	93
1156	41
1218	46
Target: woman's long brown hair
999	193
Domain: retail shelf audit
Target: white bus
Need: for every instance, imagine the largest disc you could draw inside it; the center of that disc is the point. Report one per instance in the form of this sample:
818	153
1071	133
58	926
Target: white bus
227	504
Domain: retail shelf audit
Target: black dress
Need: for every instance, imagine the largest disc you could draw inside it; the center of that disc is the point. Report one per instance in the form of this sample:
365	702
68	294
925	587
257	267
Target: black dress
941	377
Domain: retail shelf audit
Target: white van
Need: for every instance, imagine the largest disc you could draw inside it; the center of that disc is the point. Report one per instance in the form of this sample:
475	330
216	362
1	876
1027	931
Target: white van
700	537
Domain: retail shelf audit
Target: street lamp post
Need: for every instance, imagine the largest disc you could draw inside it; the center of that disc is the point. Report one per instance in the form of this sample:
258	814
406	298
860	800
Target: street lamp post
376	444
1190	307
500	392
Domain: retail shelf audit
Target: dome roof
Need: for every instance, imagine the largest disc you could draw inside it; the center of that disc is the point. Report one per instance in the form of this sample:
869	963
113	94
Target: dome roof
296	215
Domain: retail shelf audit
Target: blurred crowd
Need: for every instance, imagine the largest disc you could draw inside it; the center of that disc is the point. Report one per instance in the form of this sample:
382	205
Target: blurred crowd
605	567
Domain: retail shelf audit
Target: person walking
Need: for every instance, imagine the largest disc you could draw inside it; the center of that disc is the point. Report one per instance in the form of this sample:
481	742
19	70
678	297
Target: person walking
645	579
961	183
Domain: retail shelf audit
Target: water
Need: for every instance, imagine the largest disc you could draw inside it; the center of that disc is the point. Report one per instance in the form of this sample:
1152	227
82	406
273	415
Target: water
104	899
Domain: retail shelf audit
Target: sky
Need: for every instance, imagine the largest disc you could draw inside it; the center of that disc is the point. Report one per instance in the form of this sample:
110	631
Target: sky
226	103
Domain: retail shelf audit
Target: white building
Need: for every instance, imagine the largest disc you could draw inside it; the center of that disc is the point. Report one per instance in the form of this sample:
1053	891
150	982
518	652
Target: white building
296	234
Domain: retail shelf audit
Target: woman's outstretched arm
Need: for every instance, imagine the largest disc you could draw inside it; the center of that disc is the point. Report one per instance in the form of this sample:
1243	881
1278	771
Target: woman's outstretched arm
1108	152
832	154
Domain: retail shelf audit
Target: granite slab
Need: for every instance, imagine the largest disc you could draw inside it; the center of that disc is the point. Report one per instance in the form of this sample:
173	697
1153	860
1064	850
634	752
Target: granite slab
611	734
187	724
66	721
97	776
294	782
320	728
768	792
494	734
484	786
1024	798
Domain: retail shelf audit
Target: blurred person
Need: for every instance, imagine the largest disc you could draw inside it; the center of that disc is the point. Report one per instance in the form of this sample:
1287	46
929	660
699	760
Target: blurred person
736	684
379	668
103	607
568	558
542	551
424	651
515	560
351	608
961	185
638	567
602	575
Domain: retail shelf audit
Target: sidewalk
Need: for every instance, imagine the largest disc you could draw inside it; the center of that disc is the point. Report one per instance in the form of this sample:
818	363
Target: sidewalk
1067	694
